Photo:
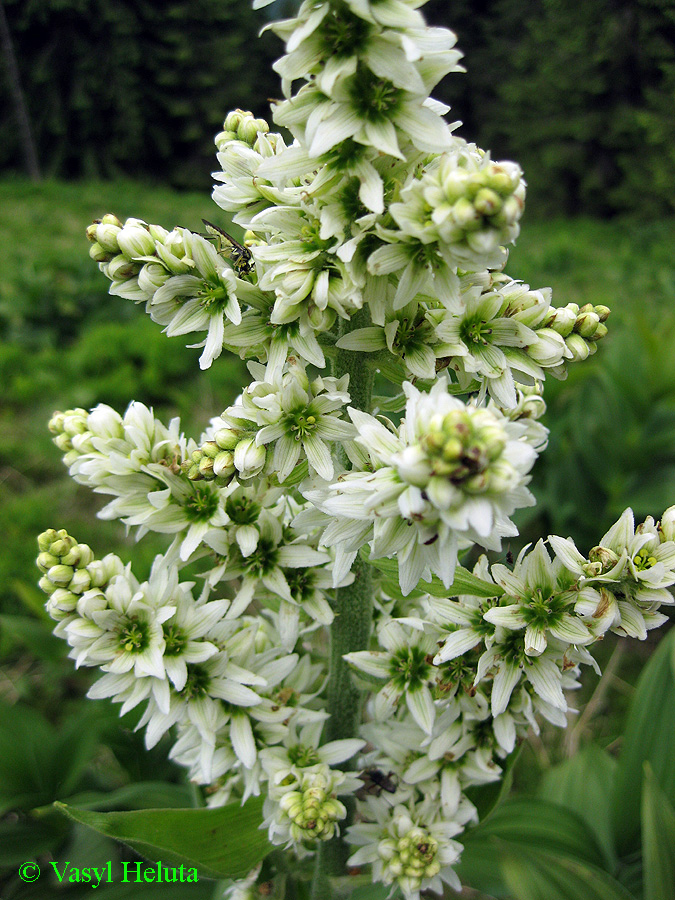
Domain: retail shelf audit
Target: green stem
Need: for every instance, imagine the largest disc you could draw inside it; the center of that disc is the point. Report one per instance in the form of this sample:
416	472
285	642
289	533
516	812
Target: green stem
351	628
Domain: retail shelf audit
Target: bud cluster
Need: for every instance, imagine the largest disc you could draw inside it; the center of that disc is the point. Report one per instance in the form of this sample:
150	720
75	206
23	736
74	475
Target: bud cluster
466	203
309	811
580	326
69	570
241	125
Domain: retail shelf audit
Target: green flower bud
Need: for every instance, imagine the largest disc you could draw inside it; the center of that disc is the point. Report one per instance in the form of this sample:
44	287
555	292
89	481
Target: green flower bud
111	219
227	438
79	557
121	269
578	346
602	312
606	557
45	561
61	604
46	585
600	333
223	464
60	575
562	320
465	215
135	240
249	459
106	235
152	276
586	324
98	254
487	202
80	582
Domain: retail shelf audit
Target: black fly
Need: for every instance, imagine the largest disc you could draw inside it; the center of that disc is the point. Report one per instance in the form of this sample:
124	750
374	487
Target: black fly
375	781
237	253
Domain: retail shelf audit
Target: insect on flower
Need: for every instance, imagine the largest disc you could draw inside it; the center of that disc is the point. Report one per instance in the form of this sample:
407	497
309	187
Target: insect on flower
375	781
236	252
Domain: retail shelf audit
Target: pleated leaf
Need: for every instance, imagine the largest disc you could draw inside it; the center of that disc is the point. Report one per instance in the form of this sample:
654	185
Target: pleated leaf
220	843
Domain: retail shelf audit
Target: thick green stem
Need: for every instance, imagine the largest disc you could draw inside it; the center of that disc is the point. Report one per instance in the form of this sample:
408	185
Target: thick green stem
351	628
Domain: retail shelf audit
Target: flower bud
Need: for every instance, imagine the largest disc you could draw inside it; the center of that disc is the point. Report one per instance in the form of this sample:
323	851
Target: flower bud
61	603
667	525
152	276
106	235
121	269
487	202
110	219
60	575
78	557
135	240
562	320
578	347
98	253
227	438
248	458
586	324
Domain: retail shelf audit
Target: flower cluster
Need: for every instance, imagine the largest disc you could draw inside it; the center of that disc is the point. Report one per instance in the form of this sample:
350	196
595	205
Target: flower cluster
451	475
376	242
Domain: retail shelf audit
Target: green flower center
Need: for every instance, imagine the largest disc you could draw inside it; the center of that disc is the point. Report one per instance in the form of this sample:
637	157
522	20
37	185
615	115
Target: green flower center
311	239
133	636
263	559
300	582
410	667
301	423
303	756
202	505
374	99
644	560
544	608
343	34
475	332
197	684
214	298
462	452
175	639
242	510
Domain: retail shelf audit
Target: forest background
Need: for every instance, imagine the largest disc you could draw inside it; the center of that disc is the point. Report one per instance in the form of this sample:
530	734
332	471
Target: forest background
123	101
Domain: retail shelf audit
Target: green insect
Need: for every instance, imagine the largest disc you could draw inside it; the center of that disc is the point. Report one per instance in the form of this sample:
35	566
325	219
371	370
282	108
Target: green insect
239	255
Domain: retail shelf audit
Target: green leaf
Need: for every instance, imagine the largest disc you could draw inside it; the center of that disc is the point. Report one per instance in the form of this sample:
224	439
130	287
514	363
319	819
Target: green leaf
533	874
648	737
225	842
138	795
658	840
519	825
584	784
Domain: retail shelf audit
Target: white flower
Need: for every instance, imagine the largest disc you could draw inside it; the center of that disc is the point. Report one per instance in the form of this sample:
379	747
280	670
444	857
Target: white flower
405	663
545	594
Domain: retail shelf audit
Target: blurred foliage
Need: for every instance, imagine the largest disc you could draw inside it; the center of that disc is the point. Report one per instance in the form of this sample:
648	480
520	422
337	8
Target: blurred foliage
135	87
580	95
